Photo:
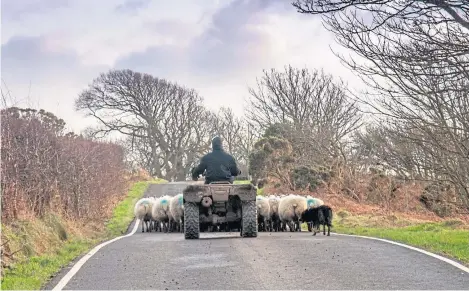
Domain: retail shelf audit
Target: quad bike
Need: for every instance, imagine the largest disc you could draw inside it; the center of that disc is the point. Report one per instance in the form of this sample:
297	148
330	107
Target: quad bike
220	203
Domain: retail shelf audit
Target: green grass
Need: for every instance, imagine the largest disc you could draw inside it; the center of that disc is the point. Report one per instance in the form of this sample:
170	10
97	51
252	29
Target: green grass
449	238
123	214
33	272
440	238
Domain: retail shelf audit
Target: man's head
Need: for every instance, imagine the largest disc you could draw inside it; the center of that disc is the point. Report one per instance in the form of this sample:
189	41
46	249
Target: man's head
217	143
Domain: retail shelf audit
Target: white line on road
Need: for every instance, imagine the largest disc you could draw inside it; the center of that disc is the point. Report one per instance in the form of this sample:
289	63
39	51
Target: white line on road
85	258
451	262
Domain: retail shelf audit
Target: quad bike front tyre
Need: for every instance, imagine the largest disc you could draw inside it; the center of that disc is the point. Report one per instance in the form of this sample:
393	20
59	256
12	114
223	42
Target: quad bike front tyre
191	221
249	219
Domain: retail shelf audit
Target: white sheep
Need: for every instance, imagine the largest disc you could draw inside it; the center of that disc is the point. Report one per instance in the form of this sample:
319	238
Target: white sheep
176	208
154	224
313	202
263	212
142	211
160	210
290	209
274	218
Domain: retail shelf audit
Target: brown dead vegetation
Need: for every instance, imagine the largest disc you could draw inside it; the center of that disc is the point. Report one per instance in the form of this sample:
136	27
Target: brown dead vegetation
403	203
54	184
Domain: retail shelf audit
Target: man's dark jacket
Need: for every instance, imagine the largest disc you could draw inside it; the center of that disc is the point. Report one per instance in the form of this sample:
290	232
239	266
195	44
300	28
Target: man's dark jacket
220	166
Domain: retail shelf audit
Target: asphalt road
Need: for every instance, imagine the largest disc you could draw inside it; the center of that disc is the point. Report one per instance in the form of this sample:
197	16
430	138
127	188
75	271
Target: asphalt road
271	261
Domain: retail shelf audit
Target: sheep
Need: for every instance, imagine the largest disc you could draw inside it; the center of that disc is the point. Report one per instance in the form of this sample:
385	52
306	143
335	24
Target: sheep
171	221
290	209
263	212
160	210
142	211
312	203
153	223
274	218
321	215
176	208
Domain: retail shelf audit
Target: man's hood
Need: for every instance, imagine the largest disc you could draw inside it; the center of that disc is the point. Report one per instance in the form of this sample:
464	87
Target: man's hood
217	144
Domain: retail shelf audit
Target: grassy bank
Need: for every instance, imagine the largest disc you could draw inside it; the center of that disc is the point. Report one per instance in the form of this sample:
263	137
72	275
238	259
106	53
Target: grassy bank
46	245
123	214
448	238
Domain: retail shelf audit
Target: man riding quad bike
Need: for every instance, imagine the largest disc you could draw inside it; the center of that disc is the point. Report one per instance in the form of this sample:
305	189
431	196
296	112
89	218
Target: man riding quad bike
218	165
220	204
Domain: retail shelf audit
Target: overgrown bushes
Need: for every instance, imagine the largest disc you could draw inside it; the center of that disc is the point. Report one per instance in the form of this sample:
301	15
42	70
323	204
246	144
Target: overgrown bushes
44	167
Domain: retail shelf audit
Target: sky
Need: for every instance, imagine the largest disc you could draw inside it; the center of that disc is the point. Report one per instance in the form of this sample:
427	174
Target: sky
52	49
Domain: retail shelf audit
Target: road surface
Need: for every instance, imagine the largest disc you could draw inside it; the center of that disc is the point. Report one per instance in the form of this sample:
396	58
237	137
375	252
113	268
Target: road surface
271	261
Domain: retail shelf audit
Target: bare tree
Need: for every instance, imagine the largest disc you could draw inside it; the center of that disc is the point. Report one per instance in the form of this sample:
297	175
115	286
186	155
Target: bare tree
416	62
237	135
229	128
168	120
314	107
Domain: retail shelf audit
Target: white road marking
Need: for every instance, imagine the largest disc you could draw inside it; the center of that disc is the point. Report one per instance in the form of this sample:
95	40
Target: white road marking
446	260
85	258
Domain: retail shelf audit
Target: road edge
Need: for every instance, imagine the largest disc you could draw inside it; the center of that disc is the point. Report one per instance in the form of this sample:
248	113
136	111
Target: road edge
77	266
441	258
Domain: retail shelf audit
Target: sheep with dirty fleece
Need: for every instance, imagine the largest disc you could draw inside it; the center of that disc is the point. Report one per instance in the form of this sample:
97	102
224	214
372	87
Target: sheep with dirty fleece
290	209
274	218
313	202
142	211
282	210
263	213
160	211
321	215
153	223
176	208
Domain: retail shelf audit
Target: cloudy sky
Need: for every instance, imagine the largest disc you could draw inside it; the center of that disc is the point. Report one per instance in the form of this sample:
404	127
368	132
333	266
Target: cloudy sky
51	49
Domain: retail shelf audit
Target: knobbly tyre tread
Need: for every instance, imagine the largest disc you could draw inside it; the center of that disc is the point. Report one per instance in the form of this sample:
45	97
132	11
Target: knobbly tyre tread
249	219
191	220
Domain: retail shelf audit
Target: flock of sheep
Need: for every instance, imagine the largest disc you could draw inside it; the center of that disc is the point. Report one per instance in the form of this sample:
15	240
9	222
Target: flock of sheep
164	213
275	213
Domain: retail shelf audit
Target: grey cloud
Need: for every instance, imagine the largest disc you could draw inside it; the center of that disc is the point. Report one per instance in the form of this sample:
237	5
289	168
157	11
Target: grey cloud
163	61
26	56
226	47
26	59
51	79
132	5
229	44
168	27
19	9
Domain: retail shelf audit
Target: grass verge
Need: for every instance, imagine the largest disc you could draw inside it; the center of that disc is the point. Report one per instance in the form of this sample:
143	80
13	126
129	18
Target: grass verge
123	214
49	244
448	238
37	270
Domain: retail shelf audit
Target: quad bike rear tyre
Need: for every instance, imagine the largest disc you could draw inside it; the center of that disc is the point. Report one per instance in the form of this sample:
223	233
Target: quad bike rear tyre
249	219
191	221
